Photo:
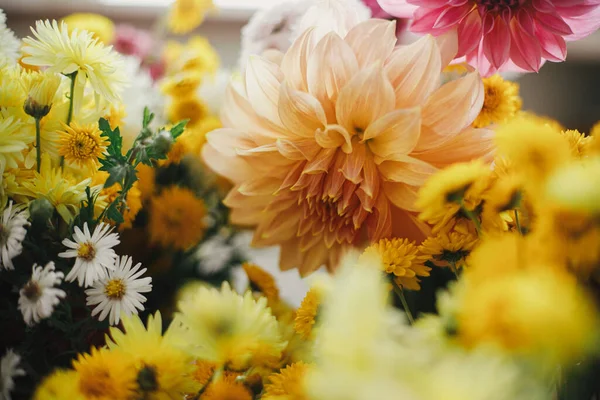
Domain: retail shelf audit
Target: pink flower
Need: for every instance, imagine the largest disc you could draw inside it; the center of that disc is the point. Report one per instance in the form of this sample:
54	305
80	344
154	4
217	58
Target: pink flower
503	35
133	41
328	144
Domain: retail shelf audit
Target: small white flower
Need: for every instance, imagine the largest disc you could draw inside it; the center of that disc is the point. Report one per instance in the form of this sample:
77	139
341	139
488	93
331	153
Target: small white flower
12	234
10	45
214	254
8	371
93	254
39	296
119	293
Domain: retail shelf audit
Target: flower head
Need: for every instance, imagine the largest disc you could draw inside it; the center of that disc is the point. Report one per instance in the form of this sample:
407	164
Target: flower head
329	147
93	253
190	108
187	15
8	372
226	387
232	329
120	292
506	35
41	88
82	145
13	140
195	55
10	43
501	101
101	27
12	233
579	143
261	281
288	382
448	249
76	52
178	210
61	384
38	297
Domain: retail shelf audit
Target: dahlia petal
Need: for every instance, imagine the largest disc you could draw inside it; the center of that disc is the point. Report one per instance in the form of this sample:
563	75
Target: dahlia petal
401	195
259	187
367	97
450	109
397	8
425	19
554	47
295	62
331	65
233	168
299	112
289	256
553	23
379	223
496	44
333	136
583	25
304	149
246	216
335	179
406	225
235	199
370	182
353	166
414	71
367	50
272	55
451	16
412	171
367	202
320	163
281	227
470	32
314	259
447	43
526	52
263	80
292	176
395	134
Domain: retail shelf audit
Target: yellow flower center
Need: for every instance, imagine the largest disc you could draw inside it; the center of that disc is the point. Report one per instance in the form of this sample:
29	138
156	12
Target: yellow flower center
95	385
115	289
87	251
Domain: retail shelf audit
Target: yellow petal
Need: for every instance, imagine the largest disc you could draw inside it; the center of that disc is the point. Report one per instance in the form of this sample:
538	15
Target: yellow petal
396	134
414	71
372	41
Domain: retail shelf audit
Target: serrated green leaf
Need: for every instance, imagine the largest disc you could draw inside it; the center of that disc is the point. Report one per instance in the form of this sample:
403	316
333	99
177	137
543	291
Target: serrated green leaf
114	214
178	129
116	175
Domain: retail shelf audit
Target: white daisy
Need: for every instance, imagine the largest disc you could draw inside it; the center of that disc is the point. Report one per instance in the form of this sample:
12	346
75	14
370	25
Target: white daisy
93	254
119	293
39	296
9	44
8	371
65	53
12	233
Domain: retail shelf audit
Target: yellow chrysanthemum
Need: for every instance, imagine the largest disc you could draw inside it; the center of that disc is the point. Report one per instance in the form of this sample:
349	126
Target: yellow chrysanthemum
62	190
60	385
578	142
501	101
106	196
190	108
65	53
106	375
82	145
146	180
577	186
116	115
232	329
534	149
178	210
306	315
187	15
448	249
41	88
227	388
287	382
13	140
261	281
164	371
11	88
203	371
99	26
399	257
519	312
457	187
182	84
197	55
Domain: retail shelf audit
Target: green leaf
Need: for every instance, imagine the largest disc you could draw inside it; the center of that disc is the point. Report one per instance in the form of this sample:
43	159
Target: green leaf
148	117
114	214
117	174
178	129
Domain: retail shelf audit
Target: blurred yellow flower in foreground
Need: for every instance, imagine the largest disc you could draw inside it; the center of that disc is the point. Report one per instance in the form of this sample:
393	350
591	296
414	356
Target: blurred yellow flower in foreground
101	27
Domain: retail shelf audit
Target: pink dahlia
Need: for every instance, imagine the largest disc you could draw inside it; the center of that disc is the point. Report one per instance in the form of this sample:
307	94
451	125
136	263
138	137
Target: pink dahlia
503	35
329	143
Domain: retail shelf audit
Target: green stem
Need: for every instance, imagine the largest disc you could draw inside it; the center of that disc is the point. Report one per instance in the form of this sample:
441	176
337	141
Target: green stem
400	293
71	76
38	144
471	216
517	222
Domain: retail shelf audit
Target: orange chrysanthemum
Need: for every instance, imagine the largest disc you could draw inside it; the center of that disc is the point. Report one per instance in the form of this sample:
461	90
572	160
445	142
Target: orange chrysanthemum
328	147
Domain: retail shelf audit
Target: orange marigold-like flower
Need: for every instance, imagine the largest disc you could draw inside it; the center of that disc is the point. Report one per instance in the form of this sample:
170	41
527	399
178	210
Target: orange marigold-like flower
328	147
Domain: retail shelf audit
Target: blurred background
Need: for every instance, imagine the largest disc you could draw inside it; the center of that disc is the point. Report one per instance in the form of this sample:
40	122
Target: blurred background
568	91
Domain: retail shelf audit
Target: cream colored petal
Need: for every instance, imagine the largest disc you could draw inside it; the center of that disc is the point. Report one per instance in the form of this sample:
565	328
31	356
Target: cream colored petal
227	141
411	171
235	199
353	166
320	163
305	149
300	112
232	168
295	62
272	55
259	186
333	136
331	65
263	81
450	109
395	134
414	71
246	216
401	195
366	98
469	144
372	41
448	46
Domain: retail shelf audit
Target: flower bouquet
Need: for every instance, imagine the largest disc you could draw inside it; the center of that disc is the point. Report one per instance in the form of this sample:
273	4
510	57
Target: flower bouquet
459	234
